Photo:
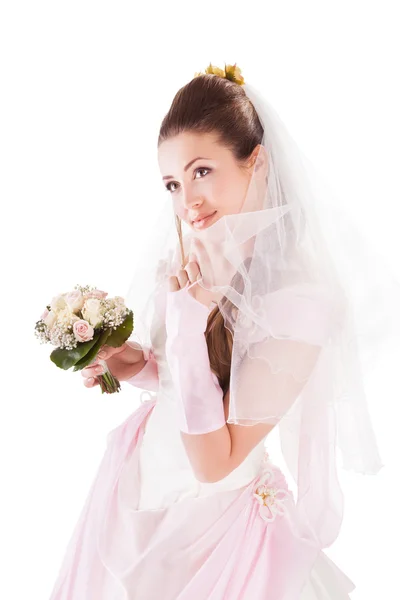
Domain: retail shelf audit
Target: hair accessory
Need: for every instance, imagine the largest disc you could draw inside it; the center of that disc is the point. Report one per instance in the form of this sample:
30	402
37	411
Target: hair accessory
231	72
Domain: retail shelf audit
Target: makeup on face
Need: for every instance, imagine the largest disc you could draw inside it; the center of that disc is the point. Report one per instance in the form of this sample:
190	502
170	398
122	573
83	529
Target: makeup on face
204	222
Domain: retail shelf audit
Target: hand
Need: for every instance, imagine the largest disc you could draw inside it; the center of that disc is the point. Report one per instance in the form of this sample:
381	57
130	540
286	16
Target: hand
189	276
124	362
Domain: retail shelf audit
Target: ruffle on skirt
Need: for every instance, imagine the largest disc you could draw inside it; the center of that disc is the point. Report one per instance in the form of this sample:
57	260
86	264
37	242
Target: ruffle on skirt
232	545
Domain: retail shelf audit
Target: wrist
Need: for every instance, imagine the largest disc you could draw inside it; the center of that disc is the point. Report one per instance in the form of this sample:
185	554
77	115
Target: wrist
137	367
145	373
185	316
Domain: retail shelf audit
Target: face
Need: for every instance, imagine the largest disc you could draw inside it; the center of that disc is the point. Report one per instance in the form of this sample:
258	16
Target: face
203	178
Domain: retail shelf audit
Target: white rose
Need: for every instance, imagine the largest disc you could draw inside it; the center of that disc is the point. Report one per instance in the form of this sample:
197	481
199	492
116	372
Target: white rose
75	300
66	316
50	319
58	303
92	311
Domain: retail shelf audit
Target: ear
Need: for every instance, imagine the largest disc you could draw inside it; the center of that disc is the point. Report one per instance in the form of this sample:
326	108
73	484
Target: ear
259	160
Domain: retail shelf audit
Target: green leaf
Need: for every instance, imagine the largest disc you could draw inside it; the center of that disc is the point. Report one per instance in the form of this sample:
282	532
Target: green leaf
65	359
121	334
91	355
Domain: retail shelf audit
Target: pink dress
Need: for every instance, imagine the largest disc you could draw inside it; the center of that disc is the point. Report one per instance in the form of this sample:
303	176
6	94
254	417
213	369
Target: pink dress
150	530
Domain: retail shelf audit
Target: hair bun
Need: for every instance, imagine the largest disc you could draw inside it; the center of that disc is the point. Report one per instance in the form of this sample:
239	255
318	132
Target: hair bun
231	72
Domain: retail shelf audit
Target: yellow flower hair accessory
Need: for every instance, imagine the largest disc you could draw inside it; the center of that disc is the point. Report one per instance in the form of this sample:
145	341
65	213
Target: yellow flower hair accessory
231	72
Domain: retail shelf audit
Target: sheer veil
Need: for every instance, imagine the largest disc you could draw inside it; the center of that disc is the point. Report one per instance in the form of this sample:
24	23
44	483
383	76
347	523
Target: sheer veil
312	307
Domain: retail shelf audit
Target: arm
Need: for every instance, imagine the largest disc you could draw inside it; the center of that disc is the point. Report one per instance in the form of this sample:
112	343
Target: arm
146	376
214	447
216	454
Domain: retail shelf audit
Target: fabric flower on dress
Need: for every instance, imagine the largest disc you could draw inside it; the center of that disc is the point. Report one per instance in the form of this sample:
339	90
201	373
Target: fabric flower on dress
271	498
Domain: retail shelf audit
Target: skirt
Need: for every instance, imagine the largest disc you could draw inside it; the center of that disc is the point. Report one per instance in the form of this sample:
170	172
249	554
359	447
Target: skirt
232	545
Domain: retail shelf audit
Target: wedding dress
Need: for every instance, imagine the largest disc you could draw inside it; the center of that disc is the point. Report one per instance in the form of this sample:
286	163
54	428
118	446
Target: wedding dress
150	530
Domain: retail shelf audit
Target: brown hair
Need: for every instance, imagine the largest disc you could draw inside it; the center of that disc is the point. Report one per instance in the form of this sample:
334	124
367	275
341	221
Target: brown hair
213	104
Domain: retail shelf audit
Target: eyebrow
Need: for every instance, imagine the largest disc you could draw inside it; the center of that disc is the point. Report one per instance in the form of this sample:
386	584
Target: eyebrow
188	165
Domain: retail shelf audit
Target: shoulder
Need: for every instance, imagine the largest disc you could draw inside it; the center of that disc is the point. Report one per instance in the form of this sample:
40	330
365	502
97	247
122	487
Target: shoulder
309	312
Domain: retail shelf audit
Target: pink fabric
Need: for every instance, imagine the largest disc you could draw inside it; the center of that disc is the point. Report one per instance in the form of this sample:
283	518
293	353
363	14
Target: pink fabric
214	548
233	544
83	575
147	378
198	393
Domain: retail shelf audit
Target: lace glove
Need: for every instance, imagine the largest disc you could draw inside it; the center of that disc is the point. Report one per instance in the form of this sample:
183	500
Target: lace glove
199	395
147	377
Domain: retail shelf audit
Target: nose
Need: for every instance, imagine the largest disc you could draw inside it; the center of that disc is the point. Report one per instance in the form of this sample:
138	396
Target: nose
191	200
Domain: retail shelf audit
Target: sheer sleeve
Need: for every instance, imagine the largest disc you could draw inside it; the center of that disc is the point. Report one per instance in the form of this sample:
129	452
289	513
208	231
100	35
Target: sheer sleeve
277	355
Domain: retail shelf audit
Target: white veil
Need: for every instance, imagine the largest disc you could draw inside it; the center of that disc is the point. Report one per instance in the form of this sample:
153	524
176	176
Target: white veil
312	309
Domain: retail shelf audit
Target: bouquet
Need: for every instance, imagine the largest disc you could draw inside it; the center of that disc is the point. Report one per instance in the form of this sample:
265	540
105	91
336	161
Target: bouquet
79	323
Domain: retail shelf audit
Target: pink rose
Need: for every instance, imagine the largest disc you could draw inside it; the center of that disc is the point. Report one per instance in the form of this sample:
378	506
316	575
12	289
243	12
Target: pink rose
83	331
99	294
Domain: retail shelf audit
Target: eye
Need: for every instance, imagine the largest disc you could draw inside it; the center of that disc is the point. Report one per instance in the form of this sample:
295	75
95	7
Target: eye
168	188
202	169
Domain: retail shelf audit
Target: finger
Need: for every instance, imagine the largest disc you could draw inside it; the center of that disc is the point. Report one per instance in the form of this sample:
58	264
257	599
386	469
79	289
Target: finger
203	260
91	382
106	351
183	278
92	371
193	269
173	284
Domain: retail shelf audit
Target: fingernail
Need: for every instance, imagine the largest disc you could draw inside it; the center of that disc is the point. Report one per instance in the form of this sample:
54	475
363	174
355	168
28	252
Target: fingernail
101	354
91	379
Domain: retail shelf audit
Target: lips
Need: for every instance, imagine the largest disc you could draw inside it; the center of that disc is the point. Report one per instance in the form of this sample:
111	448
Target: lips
203	217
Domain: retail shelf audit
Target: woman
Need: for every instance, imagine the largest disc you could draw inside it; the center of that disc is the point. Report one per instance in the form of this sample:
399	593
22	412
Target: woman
243	331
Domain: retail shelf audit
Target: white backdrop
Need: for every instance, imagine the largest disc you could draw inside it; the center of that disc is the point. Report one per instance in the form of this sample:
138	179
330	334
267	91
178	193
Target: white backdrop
84	86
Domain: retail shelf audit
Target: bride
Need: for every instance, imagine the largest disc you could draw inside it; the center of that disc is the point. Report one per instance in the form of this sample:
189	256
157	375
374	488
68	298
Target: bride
245	325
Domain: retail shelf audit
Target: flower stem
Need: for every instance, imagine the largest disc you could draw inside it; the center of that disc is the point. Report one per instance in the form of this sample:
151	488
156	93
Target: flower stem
108	383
